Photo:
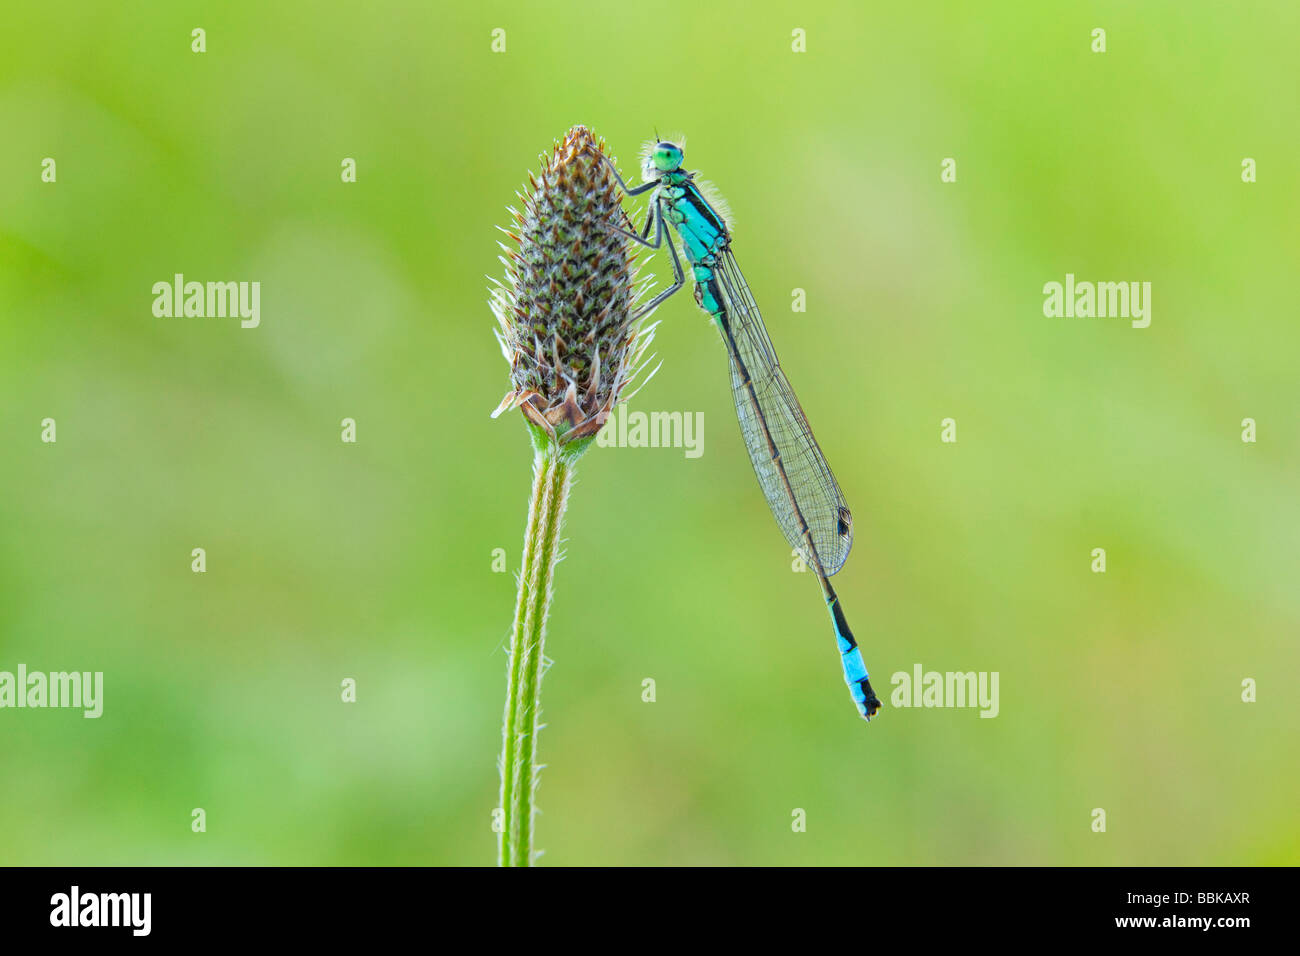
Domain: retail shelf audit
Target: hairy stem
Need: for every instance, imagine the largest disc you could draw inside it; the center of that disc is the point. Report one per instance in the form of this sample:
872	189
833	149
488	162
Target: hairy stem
552	477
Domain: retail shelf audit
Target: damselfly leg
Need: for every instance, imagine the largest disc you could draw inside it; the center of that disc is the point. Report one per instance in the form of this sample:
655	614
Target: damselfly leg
677	270
630	190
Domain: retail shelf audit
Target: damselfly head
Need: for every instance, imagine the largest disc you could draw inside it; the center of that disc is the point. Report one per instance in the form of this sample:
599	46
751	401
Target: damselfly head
659	157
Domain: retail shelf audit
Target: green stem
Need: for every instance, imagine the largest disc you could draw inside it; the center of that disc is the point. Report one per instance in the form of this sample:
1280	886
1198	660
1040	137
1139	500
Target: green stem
552	478
510	719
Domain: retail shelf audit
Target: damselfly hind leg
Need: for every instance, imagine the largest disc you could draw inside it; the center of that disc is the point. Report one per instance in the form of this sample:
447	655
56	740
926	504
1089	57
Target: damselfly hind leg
855	669
680	277
662	236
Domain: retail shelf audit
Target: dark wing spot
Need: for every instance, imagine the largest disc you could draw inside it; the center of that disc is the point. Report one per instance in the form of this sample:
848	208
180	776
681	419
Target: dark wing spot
846	522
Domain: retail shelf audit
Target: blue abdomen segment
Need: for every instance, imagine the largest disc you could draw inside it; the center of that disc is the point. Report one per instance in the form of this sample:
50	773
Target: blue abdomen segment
707	294
855	669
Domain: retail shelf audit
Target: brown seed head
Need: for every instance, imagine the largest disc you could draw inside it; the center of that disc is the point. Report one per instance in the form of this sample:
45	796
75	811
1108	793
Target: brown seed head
565	307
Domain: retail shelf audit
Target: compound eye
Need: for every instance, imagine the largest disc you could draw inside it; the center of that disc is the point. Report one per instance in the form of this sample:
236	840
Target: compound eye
668	156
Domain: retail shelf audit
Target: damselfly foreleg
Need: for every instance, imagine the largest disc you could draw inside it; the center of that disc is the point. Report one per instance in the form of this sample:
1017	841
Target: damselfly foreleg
630	190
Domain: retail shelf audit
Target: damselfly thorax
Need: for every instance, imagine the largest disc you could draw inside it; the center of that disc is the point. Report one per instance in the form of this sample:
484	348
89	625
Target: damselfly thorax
703	233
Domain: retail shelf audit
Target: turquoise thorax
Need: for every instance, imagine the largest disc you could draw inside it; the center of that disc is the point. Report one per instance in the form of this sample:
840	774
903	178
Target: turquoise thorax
701	231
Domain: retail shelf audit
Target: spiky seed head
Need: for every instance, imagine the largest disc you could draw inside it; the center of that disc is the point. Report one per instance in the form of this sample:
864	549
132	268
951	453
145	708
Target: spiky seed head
566	303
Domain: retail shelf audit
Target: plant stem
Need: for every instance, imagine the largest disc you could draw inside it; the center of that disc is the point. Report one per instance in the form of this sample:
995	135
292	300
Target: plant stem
552	478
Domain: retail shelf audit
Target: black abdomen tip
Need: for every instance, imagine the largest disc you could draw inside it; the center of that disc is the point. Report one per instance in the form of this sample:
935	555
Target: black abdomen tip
872	703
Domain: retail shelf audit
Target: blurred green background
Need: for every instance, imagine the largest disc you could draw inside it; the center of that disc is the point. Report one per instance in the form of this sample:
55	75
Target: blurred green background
374	561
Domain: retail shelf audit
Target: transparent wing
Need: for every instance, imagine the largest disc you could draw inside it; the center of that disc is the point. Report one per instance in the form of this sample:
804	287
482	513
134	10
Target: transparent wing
794	475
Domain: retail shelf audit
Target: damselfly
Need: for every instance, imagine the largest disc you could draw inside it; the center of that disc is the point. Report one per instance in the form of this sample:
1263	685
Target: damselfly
800	488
